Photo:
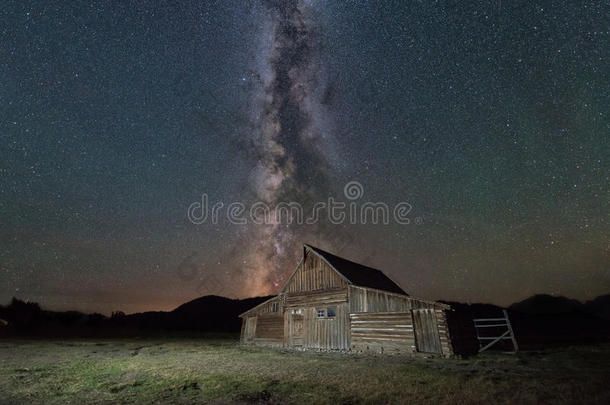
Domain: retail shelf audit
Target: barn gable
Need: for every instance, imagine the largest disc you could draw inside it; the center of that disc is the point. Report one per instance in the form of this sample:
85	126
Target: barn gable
359	274
312	274
322	270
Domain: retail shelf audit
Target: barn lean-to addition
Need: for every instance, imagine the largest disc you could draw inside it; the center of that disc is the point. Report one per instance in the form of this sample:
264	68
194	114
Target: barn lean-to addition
330	303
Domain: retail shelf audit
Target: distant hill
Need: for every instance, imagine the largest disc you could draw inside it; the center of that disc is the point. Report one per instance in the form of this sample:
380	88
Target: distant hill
544	304
599	306
211	304
206	314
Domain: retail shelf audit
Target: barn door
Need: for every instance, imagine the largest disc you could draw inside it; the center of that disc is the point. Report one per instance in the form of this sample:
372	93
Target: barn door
426	331
297	329
250	329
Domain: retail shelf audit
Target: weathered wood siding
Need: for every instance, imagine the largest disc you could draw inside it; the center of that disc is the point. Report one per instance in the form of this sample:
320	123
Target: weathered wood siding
320	333
330	296
313	274
248	329
293	328
382	332
315	285
273	305
260	323
368	300
426	331
269	329
243	330
432	333
364	299
443	331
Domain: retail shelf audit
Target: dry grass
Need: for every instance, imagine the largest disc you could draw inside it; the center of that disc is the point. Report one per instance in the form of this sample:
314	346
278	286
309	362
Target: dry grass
220	371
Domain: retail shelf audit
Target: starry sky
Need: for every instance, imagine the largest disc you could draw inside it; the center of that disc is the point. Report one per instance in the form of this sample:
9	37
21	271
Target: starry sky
490	118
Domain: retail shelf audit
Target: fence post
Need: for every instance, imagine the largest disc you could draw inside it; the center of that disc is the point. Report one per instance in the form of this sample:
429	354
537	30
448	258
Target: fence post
510	329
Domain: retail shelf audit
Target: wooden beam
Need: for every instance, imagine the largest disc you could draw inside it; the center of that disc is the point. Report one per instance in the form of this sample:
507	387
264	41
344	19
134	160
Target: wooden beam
510	329
492	342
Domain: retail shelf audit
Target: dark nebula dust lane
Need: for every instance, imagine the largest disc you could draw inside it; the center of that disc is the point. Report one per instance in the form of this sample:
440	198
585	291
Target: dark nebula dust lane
289	137
290	145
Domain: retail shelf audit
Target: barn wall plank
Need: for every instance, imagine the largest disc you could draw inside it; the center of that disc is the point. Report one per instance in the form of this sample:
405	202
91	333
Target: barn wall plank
314	274
270	327
426	330
325	333
382	332
309	298
443	331
364	299
243	329
273	305
249	329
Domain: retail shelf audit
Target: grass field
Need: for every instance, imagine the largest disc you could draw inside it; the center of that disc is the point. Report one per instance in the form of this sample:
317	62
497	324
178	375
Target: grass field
219	371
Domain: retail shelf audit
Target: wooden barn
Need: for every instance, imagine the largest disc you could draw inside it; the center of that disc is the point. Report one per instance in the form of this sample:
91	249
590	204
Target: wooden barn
330	303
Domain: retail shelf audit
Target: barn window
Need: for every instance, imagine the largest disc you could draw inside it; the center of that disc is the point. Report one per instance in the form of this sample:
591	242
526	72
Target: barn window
331	312
320	313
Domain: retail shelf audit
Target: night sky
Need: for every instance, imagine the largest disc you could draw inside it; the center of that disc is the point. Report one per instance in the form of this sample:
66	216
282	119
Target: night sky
491	119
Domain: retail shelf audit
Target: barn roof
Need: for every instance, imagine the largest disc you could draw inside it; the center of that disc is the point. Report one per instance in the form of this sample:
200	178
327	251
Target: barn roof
358	274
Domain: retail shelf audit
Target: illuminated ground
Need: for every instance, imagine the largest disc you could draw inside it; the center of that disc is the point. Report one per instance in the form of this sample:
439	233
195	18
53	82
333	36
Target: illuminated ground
219	371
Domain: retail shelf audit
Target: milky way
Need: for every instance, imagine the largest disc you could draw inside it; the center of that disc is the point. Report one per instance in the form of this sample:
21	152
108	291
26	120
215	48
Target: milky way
288	134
